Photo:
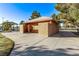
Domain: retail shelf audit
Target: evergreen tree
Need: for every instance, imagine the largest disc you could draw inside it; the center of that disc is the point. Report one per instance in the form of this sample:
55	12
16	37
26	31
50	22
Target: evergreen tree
35	14
21	22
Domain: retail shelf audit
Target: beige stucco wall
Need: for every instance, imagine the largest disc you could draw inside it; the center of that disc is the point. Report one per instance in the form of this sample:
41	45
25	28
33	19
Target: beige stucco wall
22	28
43	29
52	29
47	29
35	27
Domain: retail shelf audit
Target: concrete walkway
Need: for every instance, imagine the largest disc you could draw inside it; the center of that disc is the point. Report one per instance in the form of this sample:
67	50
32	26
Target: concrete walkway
30	44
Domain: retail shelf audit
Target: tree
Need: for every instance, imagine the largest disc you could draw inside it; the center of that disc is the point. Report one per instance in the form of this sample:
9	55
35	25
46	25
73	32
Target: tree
35	14
74	13
21	22
54	16
59	16
62	7
13	26
13	23
6	26
70	10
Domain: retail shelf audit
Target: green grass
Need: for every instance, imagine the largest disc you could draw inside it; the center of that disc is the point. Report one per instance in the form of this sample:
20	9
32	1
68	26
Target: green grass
6	45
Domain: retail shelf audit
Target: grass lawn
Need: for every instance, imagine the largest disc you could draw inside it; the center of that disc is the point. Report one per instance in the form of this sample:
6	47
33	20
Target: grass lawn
6	45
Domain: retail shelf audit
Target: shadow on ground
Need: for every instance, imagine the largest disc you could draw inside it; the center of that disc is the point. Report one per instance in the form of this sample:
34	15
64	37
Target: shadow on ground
66	34
41	51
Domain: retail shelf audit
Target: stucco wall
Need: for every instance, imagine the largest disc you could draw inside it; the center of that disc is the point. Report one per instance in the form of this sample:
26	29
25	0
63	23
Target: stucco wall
43	29
47	29
52	28
23	28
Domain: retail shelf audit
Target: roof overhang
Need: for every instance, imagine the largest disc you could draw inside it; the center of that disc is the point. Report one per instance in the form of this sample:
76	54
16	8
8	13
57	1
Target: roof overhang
40	20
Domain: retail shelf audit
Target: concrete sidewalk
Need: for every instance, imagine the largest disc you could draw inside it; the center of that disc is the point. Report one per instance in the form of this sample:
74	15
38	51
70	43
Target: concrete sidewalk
30	44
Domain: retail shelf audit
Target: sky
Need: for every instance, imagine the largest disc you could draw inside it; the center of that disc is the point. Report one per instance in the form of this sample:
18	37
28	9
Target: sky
22	11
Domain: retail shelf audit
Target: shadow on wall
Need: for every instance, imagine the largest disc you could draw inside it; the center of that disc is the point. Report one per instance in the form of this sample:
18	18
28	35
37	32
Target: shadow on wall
41	51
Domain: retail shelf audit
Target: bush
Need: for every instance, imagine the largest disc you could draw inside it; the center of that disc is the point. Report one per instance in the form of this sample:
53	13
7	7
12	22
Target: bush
6	26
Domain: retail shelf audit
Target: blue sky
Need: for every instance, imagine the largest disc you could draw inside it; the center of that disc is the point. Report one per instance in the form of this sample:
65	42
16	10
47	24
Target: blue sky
22	11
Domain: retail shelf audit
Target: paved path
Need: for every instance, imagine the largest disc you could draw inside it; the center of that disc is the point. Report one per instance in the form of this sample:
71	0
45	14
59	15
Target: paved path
30	44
